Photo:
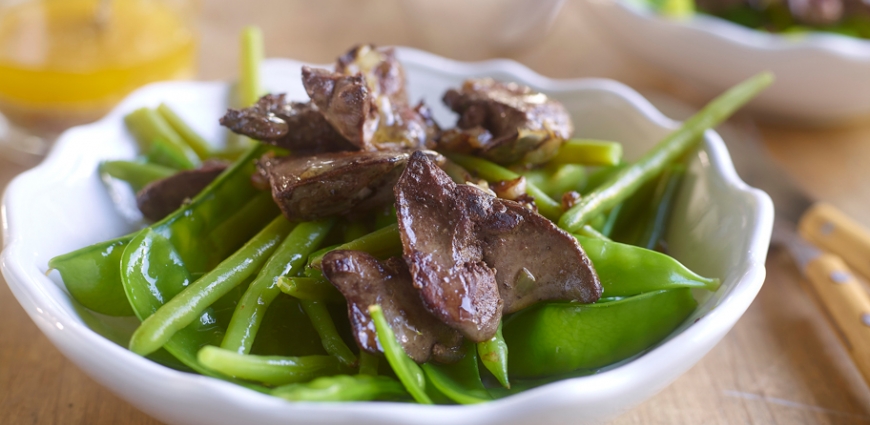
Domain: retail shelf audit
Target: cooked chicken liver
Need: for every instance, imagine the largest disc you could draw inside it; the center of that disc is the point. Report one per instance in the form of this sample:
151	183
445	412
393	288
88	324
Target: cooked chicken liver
297	126
442	250
506	121
365	281
160	198
328	184
474	256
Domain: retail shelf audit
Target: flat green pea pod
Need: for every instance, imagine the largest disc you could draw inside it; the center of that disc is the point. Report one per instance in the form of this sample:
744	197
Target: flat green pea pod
460	381
344	388
162	259
270	370
561	337
92	275
494	356
190	303
626	270
409	373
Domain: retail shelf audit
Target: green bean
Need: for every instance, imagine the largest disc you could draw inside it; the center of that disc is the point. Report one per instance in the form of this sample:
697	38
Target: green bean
381	243
137	174
589	152
612	217
192	138
270	370
147	125
252	55
624	183
601	175
493	172
323	324
494	356
344	388
164	153
409	373
288	259
655	222
459	381
311	289
368	364
189	304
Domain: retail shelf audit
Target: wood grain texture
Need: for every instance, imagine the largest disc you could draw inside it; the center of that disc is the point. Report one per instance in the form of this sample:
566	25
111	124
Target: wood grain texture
781	364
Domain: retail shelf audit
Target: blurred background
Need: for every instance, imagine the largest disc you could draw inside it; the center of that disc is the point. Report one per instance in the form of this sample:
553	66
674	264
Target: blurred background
782	363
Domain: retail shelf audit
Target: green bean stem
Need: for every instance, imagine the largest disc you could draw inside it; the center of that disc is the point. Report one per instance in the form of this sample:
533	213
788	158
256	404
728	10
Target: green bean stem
310	289
270	370
493	172
202	148
383	242
343	388
494	356
288	259
137	174
323	324
189	304
409	373
252	55
164	153
624	183
589	152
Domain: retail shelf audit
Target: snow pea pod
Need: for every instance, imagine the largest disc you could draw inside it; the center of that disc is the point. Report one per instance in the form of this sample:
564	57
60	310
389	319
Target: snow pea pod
561	337
190	303
162	259
630	270
92	275
459	381
344	388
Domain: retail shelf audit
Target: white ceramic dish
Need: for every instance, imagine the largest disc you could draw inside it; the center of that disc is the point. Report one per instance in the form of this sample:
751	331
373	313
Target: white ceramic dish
721	228
820	78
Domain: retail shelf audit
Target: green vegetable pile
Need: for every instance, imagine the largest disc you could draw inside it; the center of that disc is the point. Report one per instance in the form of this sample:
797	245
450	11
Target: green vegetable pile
227	287
792	17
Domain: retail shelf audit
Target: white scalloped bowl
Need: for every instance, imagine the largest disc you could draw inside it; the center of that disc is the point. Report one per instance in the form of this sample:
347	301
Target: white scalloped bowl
721	228
821	78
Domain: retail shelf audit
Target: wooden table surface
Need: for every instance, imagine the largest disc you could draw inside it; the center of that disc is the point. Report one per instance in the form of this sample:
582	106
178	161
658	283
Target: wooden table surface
781	364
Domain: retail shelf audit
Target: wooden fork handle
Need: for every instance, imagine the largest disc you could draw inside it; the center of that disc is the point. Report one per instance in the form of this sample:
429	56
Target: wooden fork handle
833	231
847	304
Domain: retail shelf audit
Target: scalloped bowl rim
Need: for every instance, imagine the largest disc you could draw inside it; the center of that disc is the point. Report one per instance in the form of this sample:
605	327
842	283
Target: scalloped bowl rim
48	313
